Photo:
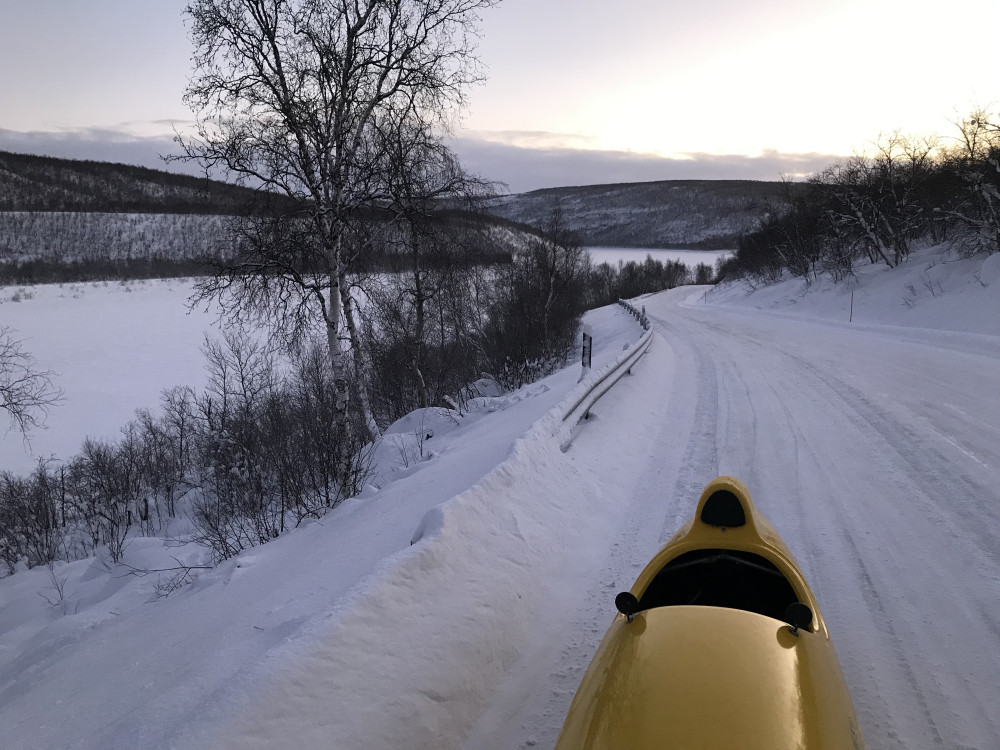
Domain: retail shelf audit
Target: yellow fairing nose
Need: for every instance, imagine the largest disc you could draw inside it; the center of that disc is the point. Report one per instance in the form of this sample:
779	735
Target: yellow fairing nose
711	678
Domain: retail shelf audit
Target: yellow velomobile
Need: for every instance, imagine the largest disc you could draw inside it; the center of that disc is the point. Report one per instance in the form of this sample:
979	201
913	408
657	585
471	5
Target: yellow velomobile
719	645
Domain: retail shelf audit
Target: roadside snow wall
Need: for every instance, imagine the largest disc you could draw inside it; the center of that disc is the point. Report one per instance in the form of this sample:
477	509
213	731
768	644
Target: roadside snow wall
412	657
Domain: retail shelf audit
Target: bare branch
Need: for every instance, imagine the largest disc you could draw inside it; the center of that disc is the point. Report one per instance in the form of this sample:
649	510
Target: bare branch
295	97
26	392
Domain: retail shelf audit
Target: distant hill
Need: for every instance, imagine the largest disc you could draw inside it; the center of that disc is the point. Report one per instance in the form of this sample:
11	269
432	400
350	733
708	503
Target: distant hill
65	220
705	214
43	183
59	211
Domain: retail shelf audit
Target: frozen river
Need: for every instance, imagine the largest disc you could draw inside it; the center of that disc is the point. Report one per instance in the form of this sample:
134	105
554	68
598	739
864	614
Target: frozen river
690	258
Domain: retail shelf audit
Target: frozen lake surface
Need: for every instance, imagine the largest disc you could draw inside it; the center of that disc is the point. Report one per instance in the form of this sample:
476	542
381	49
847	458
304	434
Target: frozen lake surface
690	258
112	348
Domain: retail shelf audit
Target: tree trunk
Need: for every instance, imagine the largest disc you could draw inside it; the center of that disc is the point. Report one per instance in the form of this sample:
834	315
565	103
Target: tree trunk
374	433
338	365
416	363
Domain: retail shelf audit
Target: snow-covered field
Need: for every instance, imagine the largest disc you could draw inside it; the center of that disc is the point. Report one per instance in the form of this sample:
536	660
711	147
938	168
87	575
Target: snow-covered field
874	450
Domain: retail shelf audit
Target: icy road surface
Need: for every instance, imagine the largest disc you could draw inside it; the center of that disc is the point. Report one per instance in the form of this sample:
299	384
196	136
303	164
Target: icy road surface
875	452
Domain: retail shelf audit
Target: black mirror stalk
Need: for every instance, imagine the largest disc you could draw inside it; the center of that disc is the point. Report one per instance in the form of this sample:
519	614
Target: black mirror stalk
627	604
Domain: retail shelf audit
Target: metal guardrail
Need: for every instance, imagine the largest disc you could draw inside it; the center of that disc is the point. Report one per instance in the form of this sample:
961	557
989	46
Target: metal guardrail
639	315
578	402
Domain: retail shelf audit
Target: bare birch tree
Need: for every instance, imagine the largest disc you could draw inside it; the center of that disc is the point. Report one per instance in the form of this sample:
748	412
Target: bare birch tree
423	174
877	197
26	392
289	96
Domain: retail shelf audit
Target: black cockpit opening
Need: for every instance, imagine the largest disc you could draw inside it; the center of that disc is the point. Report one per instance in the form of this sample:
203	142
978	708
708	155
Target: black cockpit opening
723	508
721	578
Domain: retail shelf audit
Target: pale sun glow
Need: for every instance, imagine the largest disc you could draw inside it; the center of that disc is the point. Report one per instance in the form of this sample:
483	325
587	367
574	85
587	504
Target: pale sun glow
725	80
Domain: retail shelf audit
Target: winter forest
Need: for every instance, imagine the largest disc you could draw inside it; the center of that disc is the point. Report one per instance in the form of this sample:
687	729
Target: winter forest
376	304
363	249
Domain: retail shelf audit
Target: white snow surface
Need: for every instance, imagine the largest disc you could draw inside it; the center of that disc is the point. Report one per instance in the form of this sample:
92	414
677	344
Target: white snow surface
112	347
873	447
936	288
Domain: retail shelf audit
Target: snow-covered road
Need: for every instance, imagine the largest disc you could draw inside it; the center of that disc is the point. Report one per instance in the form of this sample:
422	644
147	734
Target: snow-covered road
458	605
875	452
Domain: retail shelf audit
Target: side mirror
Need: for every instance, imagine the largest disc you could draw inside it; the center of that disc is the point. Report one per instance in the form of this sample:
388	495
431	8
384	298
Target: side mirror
627	604
799	616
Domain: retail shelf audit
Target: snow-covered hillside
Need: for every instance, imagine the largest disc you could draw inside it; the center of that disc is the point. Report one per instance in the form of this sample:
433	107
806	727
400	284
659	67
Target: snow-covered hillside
873	449
937	288
73	236
672	213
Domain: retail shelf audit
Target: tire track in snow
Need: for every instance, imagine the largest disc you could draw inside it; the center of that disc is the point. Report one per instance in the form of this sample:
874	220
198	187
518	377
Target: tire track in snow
928	480
809	461
929	474
536	719
884	622
700	461
881	619
904	441
877	426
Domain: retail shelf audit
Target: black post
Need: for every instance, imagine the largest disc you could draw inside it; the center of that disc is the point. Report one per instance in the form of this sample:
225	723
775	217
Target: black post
588	348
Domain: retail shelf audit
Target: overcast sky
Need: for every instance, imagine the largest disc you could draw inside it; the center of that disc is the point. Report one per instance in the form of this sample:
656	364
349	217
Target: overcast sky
579	91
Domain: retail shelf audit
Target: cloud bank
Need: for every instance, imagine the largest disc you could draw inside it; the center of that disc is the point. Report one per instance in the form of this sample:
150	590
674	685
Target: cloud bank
522	161
99	144
523	168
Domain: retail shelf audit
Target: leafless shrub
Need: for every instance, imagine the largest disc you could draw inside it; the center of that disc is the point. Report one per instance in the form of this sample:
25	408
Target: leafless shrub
167	585
974	161
106	486
177	576
56	597
932	286
26	392
29	518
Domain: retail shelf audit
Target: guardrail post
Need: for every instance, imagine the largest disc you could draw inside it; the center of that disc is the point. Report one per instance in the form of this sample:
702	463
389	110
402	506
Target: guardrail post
637	314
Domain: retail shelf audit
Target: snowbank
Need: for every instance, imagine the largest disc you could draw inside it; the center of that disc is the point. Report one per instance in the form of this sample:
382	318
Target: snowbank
93	656
935	288
386	670
394	658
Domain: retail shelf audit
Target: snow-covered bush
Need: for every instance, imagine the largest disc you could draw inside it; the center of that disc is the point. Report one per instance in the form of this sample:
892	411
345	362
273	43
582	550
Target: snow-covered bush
876	206
240	462
29	525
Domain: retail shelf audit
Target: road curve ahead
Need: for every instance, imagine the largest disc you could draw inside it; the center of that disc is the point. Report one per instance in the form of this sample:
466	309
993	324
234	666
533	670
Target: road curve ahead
875	452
